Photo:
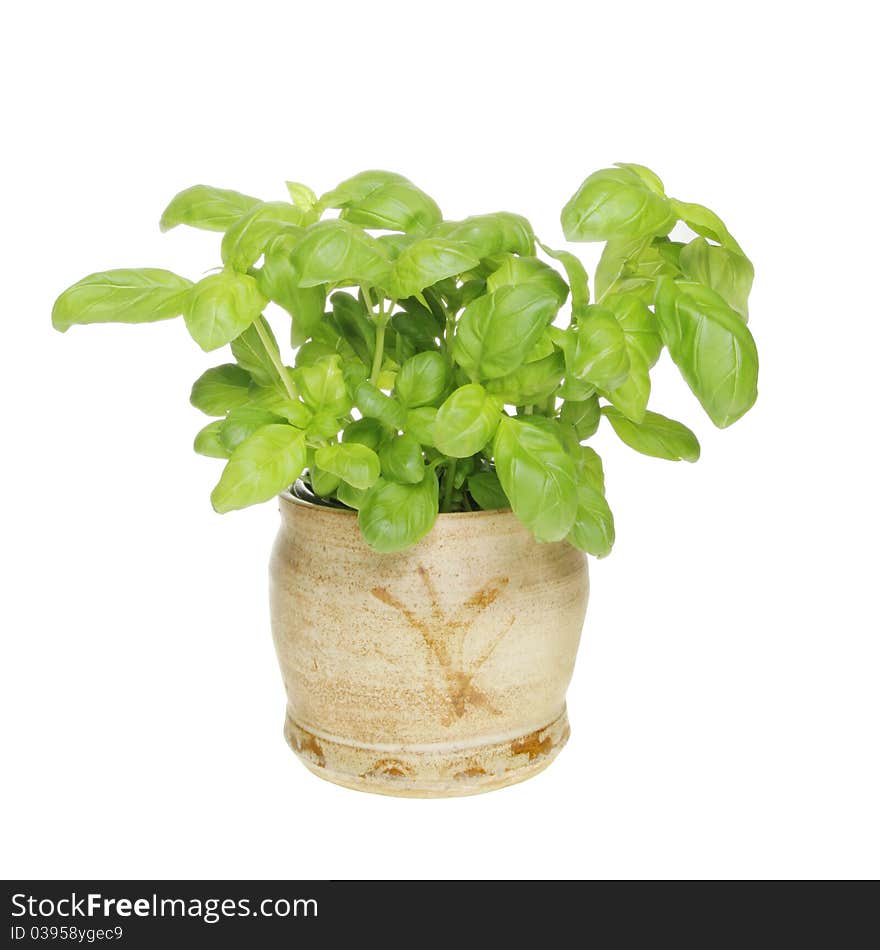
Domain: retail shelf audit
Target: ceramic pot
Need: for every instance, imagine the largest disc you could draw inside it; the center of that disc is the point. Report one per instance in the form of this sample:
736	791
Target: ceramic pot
440	670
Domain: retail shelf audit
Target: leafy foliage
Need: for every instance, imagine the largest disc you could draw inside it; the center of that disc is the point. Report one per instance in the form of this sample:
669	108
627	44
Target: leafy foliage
446	365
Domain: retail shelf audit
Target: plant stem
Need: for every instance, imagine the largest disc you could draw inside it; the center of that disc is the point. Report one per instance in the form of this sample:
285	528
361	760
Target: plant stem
450	330
368	300
448	485
275	357
381	319
380	345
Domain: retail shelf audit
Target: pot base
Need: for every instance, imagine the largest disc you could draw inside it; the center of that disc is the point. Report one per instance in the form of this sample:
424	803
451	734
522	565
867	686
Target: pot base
437	770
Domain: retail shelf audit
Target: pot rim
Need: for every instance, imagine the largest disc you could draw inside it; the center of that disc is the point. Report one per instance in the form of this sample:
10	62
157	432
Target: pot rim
288	496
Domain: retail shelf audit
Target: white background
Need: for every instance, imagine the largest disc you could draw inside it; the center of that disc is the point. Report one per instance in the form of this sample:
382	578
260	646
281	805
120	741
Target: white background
725	703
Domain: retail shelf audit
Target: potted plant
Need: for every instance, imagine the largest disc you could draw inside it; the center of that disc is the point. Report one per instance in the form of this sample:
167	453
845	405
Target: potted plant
428	444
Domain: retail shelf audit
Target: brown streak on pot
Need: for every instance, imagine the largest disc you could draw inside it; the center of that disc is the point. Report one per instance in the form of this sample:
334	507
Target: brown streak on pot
391	767
487	653
459	688
436	609
532	745
435	644
462	692
486	596
309	745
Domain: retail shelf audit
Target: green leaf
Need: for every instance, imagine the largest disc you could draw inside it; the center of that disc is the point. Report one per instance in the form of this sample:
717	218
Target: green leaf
417	323
639	325
279	281
274	400
486	491
616	255
250	235
589	468
496	332
726	272
122	296
323	483
337	252
544	347
301	195
582	415
353	369
649	178
563	339
530	383
350	461
323	425
374	404
220	307
402	459
712	347
350	319
600	356
266	463
322	386
615	203
380	199
466	421
577	278
489	234
705	223
369	432
398	349
514	270
656	435
538	477
431	311
422	380
208	442
394	244
243	422
465	294
420	423
425	262
463	470
593	528
351	496
573	389
670	251
252	355
220	389
562	432
313	351
633	266
212	209
631	396
394	516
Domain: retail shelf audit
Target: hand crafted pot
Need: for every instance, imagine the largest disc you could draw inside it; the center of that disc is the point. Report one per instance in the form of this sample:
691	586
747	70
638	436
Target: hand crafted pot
437	671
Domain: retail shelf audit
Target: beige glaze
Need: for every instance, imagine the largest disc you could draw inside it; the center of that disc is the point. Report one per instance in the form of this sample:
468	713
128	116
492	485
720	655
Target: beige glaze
437	671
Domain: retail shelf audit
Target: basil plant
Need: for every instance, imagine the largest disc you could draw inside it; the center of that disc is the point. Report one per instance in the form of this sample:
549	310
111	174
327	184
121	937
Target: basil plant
445	366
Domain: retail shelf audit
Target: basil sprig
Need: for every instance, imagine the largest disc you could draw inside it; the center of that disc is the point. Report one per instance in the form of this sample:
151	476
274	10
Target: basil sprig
444	366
